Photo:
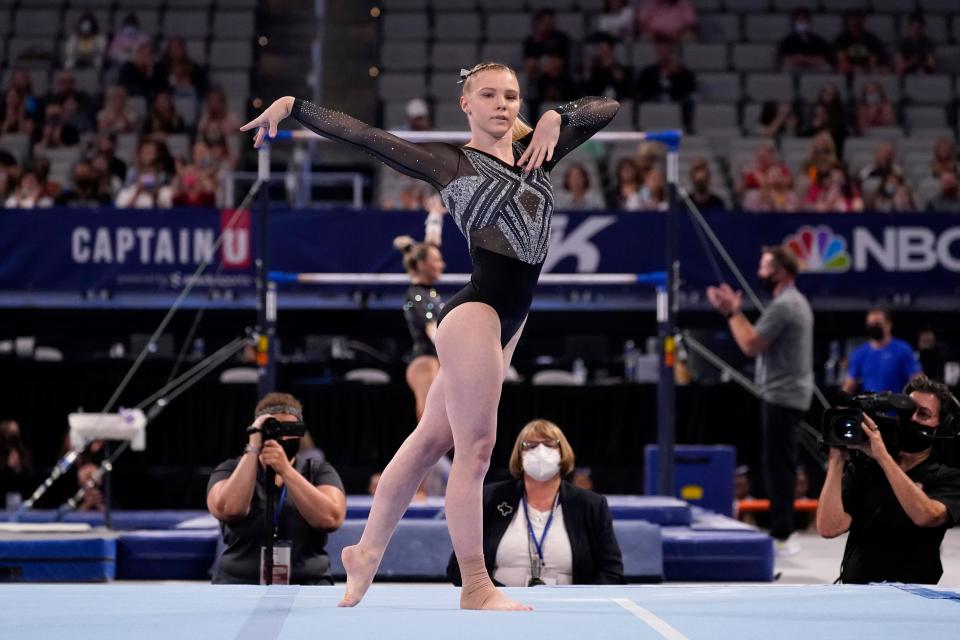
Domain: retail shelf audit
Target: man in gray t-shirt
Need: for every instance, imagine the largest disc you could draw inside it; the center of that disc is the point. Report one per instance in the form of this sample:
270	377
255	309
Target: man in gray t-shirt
782	342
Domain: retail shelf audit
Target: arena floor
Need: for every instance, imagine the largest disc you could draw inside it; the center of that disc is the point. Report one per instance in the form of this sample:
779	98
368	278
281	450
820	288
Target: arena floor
183	611
801	604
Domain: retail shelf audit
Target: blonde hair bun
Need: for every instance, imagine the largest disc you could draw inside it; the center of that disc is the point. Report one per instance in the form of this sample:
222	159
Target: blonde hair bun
403	243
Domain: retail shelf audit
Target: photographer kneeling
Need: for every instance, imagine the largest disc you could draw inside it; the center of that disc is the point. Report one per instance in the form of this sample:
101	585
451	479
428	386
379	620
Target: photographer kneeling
308	501
896	506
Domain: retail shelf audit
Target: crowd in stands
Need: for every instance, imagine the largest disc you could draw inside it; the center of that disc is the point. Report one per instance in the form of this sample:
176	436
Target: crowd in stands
775	173
159	135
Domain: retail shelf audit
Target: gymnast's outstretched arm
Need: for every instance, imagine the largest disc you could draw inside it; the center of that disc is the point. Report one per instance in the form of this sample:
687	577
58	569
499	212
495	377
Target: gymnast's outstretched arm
433	162
559	131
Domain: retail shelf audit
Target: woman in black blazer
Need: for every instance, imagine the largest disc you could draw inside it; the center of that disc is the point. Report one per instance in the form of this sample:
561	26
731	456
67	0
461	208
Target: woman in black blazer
541	529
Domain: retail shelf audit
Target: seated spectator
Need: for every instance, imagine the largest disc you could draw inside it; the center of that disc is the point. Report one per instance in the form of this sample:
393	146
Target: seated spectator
891	195
545	39
802	49
575	193
137	75
203	160
829	114
116	116
605	75
571	528
55	133
86	45
764	157
147	184
311	502
884	163
28	193
163	118
873	108
105	146
9	174
833	192
944	156
583	478
776	119
648	156
92	500
126	41
554	83
617	20
668	80
700	192
418	115
932	353
16	463
653	194
626	186
856	49
193	189
217	122
87	188
178	73
917	53
672	20
948	200
823	157
21	109
77	105
775	192
48	187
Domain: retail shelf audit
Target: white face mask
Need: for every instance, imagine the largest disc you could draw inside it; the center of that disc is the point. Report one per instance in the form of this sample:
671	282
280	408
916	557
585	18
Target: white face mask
541	463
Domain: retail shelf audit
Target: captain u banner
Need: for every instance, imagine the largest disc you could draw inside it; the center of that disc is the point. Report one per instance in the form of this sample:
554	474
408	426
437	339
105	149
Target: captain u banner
72	250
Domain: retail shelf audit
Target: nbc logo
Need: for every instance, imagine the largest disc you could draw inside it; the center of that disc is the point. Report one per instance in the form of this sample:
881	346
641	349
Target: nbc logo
819	249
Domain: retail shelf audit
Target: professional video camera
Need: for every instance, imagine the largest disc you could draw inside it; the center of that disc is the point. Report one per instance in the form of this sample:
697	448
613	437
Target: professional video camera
273	429
841	425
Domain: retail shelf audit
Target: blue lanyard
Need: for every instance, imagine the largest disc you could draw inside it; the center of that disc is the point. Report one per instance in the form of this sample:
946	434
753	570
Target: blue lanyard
276	513
538	544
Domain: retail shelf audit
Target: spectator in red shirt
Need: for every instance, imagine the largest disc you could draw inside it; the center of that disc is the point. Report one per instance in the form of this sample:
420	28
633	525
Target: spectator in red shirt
671	19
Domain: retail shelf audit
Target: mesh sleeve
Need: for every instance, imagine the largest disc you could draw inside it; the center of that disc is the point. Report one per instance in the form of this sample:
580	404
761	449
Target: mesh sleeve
435	163
579	120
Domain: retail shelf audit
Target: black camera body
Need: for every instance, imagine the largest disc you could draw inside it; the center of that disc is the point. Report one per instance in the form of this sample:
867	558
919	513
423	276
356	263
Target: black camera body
840	426
273	429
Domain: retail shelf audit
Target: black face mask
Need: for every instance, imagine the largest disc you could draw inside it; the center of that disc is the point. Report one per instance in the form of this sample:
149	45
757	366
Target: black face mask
876	332
290	447
915	437
769	283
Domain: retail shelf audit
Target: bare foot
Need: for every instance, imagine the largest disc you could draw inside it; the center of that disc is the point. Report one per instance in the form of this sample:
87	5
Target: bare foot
490	600
361	567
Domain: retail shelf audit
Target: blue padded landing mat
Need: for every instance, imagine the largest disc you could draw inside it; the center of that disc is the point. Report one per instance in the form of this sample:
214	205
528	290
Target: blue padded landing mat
57	558
721	612
166	555
698	556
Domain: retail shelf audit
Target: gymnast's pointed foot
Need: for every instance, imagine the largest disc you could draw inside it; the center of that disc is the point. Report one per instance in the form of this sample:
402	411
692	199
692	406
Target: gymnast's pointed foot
361	567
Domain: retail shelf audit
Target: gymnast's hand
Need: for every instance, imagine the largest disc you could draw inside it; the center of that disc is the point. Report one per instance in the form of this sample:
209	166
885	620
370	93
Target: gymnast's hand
544	140
266	123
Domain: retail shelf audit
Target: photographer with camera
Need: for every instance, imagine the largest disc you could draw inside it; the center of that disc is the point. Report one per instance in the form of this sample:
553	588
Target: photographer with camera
896	501
782	343
307	501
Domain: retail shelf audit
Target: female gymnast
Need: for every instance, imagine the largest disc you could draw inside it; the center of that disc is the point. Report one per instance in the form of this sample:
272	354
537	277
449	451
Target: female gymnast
421	308
497	189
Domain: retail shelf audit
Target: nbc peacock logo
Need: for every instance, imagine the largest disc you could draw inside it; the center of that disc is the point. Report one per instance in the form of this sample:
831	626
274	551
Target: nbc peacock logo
819	249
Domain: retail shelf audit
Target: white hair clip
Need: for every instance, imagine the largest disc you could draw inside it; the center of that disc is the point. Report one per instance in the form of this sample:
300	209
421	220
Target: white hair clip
464	74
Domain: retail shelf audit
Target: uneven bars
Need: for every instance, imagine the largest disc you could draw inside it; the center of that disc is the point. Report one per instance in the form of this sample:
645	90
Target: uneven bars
669	137
655	278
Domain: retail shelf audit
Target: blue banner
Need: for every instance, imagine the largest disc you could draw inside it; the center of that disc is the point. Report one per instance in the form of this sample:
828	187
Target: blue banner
148	252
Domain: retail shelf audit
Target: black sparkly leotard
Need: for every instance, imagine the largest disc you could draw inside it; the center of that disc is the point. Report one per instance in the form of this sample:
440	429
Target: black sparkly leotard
503	212
422	306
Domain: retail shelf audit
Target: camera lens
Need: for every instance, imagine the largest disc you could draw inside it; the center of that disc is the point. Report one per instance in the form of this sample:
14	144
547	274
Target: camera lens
846	429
